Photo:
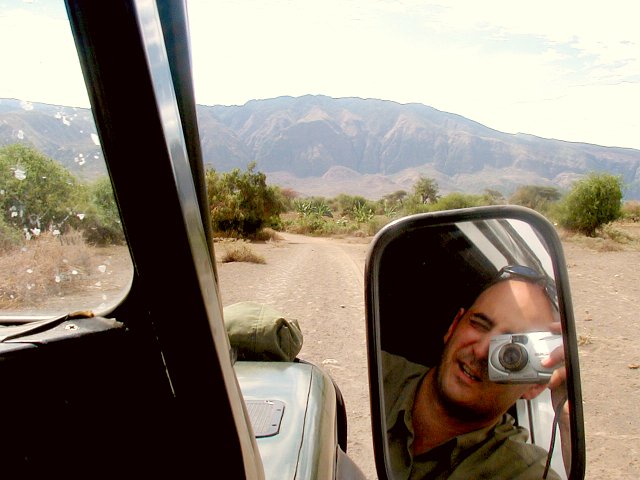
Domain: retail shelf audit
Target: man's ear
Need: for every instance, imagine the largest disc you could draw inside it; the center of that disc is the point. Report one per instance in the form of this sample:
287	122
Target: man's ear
453	325
533	391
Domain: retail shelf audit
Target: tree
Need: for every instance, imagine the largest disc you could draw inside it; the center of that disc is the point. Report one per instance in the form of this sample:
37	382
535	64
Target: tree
36	192
241	202
102	225
592	202
9	237
537	197
288	195
396	197
492	197
456	200
355	207
426	189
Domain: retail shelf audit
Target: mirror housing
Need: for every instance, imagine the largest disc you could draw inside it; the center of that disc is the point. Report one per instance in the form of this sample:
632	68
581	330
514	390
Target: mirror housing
413	268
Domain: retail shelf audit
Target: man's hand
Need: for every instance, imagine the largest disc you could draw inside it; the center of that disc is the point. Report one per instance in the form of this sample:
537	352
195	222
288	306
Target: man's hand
558	387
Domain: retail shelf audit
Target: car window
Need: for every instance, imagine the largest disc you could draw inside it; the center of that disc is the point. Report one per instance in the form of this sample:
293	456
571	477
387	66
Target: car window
62	246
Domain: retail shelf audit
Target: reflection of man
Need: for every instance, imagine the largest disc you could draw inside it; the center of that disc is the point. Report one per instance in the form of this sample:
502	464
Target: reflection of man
450	421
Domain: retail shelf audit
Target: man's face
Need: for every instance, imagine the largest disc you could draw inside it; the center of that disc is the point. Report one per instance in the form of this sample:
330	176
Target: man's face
463	383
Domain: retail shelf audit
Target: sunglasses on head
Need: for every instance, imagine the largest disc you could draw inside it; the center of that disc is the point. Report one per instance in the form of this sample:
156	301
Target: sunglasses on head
528	274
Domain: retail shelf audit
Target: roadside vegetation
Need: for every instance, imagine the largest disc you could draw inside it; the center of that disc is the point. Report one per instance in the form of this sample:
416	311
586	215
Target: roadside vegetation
43	203
242	206
51	225
238	251
40	196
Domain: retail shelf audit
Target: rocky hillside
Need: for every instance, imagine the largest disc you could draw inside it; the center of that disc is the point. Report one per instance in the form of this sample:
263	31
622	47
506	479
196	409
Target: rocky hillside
65	134
319	145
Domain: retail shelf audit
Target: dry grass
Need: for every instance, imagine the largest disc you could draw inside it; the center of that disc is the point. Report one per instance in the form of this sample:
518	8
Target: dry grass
615	237
584	340
267	235
238	251
45	267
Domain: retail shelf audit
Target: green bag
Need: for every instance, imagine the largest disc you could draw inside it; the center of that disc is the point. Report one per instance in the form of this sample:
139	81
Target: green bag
259	332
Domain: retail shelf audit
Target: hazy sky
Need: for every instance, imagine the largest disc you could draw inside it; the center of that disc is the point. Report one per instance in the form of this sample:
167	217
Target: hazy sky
564	69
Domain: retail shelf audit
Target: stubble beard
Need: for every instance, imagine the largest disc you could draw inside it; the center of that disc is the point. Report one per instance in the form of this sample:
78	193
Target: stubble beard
454	407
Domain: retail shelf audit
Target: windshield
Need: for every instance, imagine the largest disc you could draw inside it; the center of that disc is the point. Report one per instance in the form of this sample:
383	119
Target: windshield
62	246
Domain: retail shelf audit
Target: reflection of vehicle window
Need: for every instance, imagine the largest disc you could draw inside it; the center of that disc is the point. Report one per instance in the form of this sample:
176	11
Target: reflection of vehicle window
62	246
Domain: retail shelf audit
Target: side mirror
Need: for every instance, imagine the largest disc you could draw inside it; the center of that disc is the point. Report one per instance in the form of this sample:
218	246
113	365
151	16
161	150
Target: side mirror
440	290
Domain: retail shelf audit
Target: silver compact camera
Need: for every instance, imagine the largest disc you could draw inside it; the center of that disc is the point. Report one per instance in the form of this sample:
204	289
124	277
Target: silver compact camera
516	357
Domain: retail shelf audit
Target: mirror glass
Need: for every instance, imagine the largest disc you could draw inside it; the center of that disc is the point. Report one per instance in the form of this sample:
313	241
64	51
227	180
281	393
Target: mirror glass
469	321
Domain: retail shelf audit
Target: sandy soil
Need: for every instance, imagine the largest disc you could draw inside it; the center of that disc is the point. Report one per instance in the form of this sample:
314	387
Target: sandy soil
605	288
320	283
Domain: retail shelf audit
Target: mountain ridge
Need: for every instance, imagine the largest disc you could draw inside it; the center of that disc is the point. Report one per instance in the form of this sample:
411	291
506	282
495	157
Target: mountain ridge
317	145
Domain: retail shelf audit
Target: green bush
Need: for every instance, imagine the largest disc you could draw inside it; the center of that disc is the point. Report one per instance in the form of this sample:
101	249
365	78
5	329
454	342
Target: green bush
312	206
451	201
361	213
37	192
354	207
10	237
592	202
412	205
102	224
241	203
457	200
313	224
376	223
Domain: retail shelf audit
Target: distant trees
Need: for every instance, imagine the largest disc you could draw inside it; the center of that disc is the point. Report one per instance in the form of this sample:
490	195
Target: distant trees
37	194
242	203
314	206
536	197
493	197
396	197
455	200
591	203
426	190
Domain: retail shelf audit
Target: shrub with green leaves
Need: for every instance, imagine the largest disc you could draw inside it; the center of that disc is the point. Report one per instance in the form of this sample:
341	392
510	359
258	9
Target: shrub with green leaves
391	205
362	212
312	206
592	203
313	224
457	200
10	237
36	192
241	203
102	225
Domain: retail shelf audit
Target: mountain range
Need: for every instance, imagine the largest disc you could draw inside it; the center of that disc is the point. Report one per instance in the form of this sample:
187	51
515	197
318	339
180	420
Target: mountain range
318	145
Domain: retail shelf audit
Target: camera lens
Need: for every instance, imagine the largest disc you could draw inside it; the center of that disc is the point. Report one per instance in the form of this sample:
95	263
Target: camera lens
513	357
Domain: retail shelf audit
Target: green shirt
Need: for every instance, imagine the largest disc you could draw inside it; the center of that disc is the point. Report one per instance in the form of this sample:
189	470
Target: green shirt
498	451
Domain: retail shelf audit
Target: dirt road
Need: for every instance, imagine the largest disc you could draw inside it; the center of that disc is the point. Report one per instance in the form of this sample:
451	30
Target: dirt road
320	283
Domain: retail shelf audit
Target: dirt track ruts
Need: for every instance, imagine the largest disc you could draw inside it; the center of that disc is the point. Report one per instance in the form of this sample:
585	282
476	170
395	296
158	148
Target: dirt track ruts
320	283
